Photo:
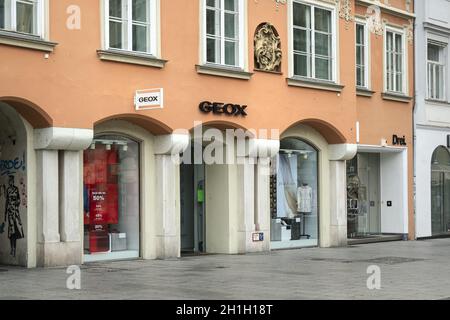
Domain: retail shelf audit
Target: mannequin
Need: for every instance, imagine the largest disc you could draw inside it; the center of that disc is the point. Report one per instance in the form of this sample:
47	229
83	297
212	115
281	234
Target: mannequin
304	198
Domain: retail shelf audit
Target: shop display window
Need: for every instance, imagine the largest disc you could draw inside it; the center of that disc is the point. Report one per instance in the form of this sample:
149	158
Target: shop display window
294	195
111	198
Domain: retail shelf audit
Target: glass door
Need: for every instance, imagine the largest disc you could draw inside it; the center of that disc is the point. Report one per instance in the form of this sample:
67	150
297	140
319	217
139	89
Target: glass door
363	196
437	219
192	199
440	191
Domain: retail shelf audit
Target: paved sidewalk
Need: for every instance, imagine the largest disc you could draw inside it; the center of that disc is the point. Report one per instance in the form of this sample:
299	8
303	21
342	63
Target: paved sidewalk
409	270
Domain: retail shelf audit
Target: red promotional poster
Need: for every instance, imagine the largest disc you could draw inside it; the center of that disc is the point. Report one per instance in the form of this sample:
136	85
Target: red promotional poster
101	195
112	205
98	216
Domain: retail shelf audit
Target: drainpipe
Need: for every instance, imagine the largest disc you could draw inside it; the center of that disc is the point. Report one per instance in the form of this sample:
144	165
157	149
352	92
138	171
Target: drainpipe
414	122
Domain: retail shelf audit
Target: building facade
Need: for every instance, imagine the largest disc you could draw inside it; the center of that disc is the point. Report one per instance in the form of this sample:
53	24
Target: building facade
121	122
432	119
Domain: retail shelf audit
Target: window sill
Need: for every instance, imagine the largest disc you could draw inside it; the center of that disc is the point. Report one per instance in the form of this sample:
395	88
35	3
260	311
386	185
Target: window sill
16	39
315	84
222	71
267	71
364	92
396	97
131	57
437	102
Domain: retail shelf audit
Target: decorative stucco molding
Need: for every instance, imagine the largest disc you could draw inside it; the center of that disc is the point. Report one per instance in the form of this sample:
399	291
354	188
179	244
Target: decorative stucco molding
374	22
408	5
345	11
410	31
268	52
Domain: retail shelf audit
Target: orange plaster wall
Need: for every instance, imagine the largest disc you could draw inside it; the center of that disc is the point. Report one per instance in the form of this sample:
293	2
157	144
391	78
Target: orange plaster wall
77	89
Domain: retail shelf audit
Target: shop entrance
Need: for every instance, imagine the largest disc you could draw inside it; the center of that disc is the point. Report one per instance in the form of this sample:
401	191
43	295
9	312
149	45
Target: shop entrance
192	197
363	196
440	192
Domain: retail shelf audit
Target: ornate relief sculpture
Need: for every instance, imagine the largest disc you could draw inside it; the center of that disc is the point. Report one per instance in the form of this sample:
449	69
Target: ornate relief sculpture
345	10
410	31
267	48
374	21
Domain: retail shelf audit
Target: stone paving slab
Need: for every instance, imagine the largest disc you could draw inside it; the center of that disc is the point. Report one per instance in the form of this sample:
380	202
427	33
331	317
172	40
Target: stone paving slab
409	270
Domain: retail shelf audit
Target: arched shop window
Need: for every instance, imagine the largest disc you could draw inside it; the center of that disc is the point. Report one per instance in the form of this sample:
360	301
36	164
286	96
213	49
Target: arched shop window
294	195
111	199
440	191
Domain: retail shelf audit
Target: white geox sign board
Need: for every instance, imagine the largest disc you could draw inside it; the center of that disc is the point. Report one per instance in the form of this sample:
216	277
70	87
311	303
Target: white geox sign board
149	99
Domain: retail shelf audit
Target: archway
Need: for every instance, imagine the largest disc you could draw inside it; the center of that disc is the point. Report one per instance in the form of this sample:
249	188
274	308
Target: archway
208	184
120	193
440	191
14	225
328	131
31	112
151	125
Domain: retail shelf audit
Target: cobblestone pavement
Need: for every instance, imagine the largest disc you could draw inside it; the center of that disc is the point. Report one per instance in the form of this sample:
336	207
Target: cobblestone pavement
409	270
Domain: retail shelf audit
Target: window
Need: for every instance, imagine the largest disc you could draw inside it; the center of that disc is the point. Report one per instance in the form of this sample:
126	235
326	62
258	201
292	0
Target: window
23	16
131	25
436	71
362	60
111	199
224	32
395	62
294	195
313	34
2	14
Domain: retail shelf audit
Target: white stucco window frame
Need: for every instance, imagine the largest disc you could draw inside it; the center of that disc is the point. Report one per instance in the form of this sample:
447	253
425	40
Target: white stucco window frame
334	42
38	40
240	70
39	16
405	83
443	42
151	58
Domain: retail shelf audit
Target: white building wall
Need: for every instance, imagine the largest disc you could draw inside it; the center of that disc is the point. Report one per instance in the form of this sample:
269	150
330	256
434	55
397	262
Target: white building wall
432	118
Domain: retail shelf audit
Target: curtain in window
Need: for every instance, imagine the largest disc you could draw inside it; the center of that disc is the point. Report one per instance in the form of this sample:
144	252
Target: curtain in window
24	14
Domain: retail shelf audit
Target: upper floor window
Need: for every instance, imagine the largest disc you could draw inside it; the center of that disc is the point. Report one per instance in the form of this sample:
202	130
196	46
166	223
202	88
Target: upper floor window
362	56
395	73
24	16
436	71
224	32
131	25
313	36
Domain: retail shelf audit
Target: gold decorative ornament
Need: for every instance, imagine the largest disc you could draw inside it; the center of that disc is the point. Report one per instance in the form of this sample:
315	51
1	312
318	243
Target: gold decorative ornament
268	52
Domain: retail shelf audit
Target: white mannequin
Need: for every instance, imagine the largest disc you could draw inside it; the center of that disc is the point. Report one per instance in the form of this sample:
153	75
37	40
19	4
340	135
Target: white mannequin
304	198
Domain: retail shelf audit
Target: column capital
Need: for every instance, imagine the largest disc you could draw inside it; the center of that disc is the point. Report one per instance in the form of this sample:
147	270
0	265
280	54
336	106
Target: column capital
55	138
171	144
343	151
